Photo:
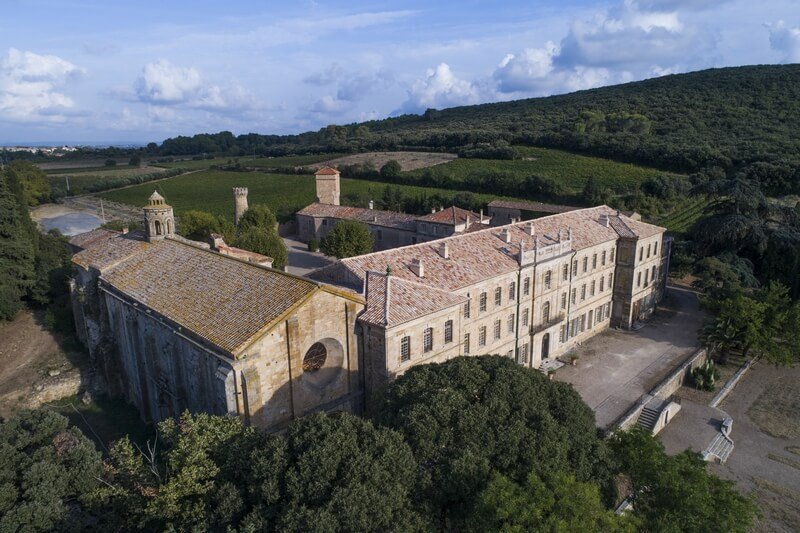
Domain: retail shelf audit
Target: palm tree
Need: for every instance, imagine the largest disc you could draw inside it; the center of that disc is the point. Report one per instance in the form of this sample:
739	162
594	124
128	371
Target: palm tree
721	336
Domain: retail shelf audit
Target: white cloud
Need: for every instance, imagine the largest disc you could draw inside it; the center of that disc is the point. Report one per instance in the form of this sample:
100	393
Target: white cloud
785	40
164	84
439	89
30	87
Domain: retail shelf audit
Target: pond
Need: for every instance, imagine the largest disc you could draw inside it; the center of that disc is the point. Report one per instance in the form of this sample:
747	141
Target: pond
71	224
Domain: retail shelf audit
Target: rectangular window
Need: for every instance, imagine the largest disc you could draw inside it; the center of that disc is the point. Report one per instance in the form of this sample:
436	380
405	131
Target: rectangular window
466	344
448	331
603	259
483	301
641	253
583	292
482	336
653	276
602	283
591	288
497	328
574	268
511	323
610	277
608	309
498	296
655	249
523	354
598	314
594	261
648	251
324	222
574	293
547	280
585	264
466	307
564	301
427	340
562	334
612	255
526	286
591	316
405	349
565	272
583	322
512	291
639	279
379	235
525	317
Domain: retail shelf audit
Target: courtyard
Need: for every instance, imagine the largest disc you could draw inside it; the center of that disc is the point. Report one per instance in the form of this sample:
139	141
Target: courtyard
616	367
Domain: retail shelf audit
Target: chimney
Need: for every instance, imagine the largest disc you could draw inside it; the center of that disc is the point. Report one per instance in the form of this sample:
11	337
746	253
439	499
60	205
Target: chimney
604	220
433	210
521	251
374	218
444	250
371	204
468	222
569	234
481	216
505	235
531	229
124	230
418	268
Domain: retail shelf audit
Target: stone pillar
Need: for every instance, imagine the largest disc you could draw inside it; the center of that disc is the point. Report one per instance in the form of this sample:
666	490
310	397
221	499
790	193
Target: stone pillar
239	203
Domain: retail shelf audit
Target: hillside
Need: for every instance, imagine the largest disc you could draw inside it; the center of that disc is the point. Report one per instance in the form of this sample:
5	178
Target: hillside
725	117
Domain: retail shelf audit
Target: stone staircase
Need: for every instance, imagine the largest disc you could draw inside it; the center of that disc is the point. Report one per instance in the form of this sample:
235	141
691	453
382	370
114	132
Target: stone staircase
650	414
720	448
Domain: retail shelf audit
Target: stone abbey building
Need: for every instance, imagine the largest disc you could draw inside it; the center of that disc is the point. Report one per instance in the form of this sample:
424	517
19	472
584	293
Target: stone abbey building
175	325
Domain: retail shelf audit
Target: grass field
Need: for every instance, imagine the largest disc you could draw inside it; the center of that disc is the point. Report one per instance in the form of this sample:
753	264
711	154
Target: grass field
284	194
571	170
681	220
249	161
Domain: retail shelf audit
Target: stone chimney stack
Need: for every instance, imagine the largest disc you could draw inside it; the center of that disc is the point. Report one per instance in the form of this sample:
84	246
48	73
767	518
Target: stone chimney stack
505	235
418	268
444	250
327	186
604	220
531	229
124	230
371	204
239	203
481	216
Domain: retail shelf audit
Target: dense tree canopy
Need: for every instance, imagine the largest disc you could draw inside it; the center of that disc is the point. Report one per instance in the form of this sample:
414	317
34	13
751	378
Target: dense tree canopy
348	238
472	416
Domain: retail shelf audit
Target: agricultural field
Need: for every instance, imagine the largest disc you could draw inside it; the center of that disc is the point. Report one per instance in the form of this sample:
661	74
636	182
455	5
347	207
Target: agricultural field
88	180
249	161
408	160
569	169
284	194
683	218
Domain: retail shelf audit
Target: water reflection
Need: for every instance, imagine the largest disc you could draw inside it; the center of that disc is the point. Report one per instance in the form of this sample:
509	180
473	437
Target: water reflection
71	223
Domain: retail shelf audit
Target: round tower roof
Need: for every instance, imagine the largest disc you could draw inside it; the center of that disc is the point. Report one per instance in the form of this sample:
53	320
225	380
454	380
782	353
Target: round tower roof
156	200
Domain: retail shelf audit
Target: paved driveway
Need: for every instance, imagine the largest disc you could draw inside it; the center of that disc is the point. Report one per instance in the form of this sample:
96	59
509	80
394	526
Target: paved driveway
616	367
301	261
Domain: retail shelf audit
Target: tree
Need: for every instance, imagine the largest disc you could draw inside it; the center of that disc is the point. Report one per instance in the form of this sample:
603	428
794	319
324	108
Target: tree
110	162
473	416
264	242
17	249
257	216
560	504
198	225
390	170
348	238
32	181
47	472
593	193
540	187
677	493
135	160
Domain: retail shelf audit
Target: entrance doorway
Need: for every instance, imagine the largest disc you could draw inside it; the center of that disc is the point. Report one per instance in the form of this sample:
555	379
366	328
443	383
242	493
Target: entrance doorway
546	346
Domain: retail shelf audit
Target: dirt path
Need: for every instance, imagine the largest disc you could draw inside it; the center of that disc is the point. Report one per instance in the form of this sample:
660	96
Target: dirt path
33	366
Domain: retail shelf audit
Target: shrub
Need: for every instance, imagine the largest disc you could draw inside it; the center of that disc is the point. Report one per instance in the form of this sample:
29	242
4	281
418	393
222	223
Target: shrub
705	376
347	239
313	245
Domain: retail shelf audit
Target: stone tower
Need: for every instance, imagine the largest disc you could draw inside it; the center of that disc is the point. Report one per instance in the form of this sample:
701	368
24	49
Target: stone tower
327	186
239	203
158	218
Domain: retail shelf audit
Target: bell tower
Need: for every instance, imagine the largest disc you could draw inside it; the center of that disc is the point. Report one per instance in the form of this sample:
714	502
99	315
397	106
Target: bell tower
327	186
158	218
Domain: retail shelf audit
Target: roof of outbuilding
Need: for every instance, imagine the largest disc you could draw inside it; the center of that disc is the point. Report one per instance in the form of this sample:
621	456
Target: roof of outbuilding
532	206
377	217
222	300
452	216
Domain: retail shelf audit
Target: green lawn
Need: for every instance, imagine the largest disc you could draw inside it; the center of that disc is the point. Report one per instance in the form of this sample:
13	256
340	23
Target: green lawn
284	194
249	161
569	169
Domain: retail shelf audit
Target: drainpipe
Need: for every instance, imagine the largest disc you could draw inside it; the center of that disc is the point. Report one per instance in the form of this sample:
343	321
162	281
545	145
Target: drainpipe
569	291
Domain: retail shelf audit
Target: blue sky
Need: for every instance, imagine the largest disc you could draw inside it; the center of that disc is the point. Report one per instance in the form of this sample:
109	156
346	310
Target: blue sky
113	71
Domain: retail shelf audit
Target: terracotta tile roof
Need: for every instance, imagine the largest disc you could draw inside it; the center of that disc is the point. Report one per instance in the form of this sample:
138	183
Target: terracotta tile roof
84	240
107	250
222	300
392	300
326	171
484	254
532	206
376	217
453	216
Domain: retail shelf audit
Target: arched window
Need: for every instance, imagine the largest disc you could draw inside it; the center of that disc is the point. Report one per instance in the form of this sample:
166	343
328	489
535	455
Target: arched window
546	312
157	225
169	226
315	357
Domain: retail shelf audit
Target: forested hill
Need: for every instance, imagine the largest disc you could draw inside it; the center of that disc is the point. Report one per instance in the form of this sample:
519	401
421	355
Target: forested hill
720	117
